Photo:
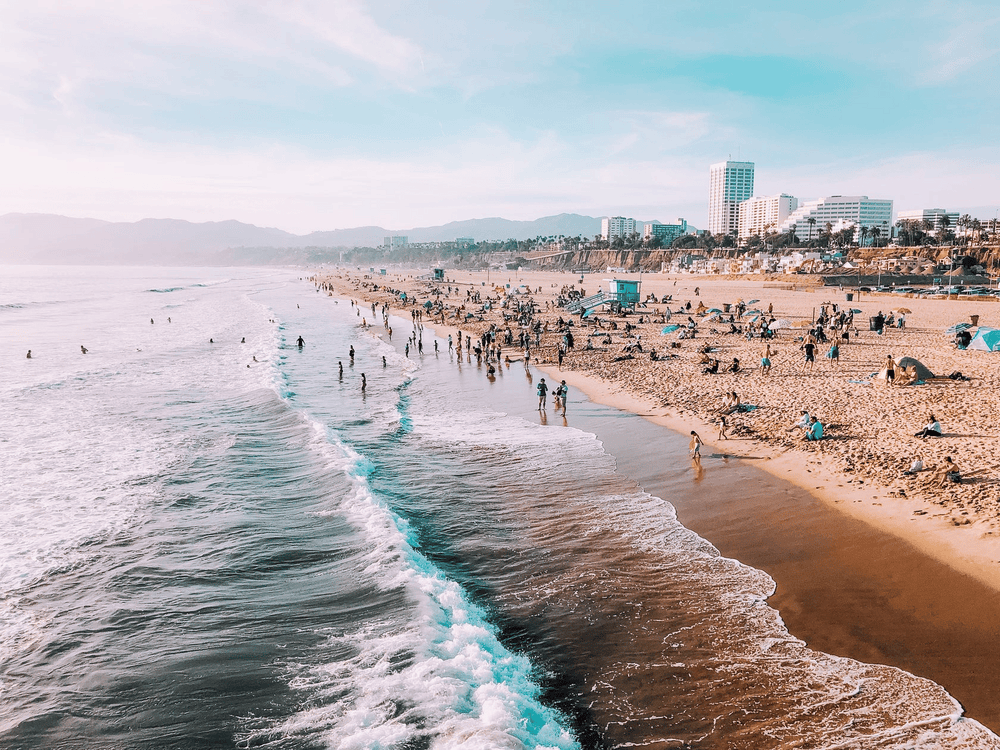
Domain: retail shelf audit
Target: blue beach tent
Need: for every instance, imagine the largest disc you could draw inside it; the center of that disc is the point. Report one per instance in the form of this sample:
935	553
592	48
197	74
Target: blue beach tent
986	339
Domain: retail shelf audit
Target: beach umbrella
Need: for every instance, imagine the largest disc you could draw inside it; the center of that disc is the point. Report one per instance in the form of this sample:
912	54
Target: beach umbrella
753	301
903	310
952	330
855	310
669	329
427	304
780	323
714	310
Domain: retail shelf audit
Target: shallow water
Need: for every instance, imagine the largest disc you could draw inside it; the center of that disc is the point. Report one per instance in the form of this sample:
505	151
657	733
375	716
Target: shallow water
197	553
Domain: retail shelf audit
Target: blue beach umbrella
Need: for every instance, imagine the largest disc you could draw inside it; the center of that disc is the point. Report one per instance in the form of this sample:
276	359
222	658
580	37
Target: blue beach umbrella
669	329
952	330
753	301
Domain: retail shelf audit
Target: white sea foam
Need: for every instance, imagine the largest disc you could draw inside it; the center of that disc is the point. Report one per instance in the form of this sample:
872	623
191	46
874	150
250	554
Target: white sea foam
440	676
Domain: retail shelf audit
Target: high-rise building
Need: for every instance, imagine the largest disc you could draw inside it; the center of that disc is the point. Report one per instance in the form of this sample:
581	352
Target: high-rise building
616	226
397	240
730	183
666	232
757	215
840	211
933	215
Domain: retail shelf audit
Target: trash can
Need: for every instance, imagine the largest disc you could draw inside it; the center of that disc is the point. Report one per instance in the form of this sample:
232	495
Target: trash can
725	307
974	319
850	296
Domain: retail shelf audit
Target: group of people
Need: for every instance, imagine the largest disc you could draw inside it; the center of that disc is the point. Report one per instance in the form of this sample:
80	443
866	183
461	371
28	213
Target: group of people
559	395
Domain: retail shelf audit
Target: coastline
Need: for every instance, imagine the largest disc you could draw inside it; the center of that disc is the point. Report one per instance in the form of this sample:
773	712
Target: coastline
925	590
960	536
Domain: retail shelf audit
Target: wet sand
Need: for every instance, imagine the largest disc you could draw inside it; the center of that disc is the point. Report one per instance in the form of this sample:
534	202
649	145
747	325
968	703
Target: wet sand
843	586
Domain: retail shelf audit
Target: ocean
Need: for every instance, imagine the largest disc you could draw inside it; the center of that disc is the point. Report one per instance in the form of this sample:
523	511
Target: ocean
210	538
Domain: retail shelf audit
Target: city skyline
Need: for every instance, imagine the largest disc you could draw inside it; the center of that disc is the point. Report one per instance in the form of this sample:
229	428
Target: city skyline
309	117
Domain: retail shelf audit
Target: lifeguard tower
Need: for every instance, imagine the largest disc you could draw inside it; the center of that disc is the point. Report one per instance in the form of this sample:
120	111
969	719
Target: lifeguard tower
622	294
438	274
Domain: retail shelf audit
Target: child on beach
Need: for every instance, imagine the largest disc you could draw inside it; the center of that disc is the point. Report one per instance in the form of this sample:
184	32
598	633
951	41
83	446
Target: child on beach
722	428
694	447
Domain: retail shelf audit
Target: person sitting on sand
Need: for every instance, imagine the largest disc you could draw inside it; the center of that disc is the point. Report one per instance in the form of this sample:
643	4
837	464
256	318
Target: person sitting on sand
712	369
917	465
735	366
906	376
801	424
947	473
730	403
815	430
704	359
931	429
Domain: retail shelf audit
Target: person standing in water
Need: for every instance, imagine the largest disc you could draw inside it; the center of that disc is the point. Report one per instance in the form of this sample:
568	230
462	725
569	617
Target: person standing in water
383	362
29	354
695	447
351	352
364	382
340	366
543	389
301	342
83	349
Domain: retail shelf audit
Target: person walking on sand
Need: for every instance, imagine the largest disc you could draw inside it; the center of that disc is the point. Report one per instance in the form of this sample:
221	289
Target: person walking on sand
765	360
694	447
890	369
722	428
542	389
810	349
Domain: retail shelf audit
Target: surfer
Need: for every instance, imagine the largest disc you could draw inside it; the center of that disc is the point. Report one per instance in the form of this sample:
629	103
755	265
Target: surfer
83	349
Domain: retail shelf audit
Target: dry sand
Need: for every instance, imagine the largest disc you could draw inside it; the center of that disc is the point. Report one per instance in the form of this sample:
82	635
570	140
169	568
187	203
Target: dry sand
859	468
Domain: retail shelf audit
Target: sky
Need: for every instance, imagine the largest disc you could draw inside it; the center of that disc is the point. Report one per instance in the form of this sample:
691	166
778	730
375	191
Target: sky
323	115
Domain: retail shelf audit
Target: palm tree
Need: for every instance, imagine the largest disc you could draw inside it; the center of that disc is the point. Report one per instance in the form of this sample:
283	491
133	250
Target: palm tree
812	223
876	233
863	232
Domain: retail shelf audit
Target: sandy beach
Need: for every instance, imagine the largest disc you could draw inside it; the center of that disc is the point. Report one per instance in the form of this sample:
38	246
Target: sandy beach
858	467
895	569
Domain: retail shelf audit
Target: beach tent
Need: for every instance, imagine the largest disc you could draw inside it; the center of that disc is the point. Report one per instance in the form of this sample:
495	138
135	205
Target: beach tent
952	330
923	373
986	339
780	323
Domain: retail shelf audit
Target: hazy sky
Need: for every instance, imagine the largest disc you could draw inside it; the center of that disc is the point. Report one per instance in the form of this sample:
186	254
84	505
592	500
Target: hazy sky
322	115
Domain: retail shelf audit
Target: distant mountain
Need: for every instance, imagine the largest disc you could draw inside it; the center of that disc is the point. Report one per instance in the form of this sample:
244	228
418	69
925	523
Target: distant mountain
48	238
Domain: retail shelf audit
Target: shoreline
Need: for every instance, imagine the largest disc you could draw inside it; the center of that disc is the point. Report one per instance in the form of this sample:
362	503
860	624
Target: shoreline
957	536
915	553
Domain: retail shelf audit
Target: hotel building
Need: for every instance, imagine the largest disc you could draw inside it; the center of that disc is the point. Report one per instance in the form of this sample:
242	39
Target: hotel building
666	232
839	211
730	183
757	215
616	226
933	215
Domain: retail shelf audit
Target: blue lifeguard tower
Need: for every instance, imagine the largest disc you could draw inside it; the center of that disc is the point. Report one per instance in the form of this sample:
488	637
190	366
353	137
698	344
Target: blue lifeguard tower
623	291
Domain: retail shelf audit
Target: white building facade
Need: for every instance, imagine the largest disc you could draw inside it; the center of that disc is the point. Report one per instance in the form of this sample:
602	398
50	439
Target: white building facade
396	240
617	226
758	215
730	183
840	211
933	215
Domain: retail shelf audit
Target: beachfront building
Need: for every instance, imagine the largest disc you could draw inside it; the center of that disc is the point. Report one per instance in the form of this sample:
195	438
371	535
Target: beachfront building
840	211
396	240
935	216
758	215
666	232
730	183
613	227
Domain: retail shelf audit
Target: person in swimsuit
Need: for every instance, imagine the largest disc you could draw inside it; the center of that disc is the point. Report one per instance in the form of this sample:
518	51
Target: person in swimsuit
694	447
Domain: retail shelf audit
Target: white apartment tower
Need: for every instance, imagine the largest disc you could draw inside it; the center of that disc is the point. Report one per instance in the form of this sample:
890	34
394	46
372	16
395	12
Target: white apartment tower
730	183
758	215
616	226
